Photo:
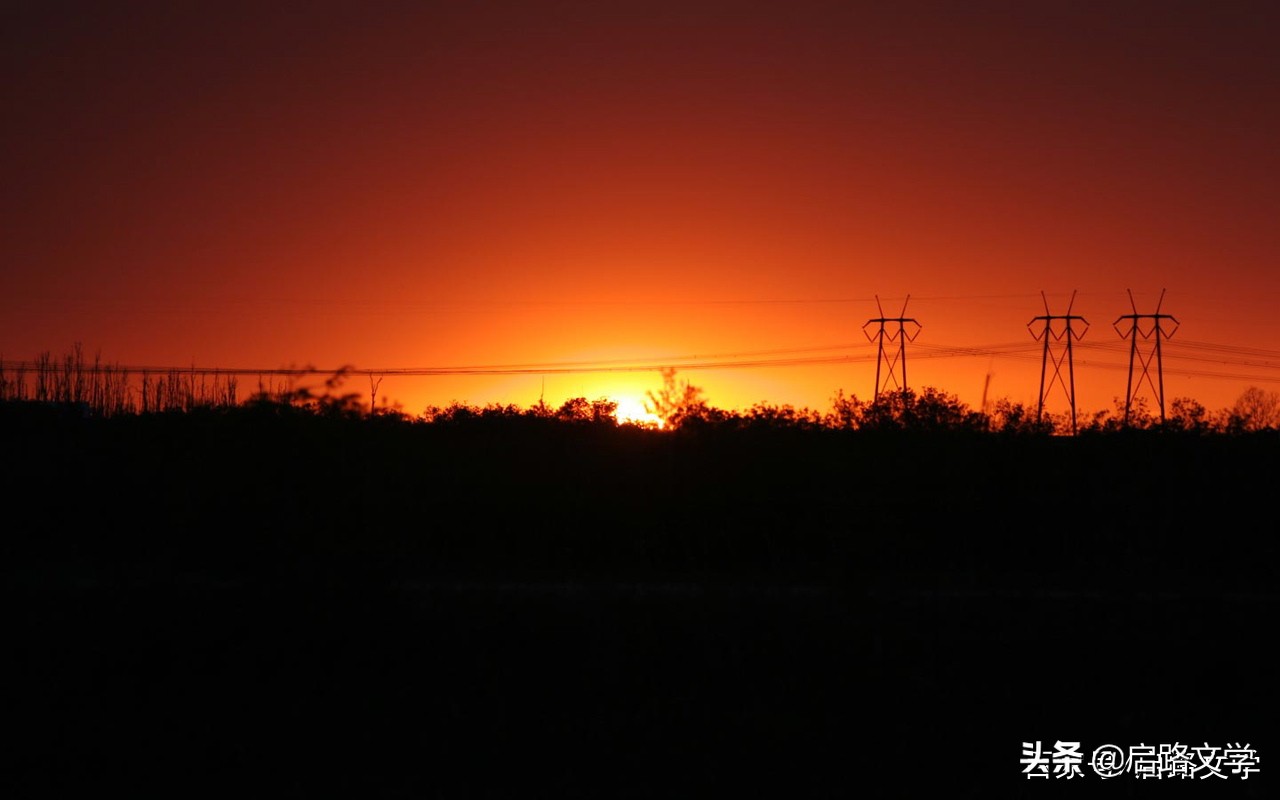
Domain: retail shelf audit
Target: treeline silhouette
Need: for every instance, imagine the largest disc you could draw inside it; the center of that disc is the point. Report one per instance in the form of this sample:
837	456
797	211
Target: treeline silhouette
296	593
101	389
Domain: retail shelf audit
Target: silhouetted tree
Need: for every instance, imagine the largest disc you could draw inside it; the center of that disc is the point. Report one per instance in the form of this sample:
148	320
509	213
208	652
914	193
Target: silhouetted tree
289	396
540	410
679	402
1255	410
1110	421
929	410
579	409
454	412
1189	416
767	415
846	412
575	409
1016	418
604	411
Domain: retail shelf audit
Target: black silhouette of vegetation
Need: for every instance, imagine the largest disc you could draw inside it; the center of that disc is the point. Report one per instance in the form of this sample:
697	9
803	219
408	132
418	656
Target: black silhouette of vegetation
101	389
291	592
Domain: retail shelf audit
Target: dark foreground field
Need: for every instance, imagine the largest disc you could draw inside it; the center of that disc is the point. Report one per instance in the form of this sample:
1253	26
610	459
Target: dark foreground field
251	601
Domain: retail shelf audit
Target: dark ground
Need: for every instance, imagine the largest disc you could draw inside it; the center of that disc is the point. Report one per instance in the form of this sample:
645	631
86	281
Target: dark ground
303	606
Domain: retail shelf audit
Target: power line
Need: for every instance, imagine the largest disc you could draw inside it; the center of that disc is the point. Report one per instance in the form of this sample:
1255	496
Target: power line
893	362
1173	352
1066	335
1157	335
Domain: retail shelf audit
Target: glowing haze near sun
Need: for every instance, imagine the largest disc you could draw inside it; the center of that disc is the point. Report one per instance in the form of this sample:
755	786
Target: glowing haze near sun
632	411
625	184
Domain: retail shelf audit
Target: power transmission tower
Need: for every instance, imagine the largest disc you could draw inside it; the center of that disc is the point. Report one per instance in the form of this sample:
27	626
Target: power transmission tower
1065	334
1154	333
895	363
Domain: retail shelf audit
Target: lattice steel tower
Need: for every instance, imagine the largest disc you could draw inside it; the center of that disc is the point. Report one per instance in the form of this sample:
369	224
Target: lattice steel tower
1153	333
895	363
1065	334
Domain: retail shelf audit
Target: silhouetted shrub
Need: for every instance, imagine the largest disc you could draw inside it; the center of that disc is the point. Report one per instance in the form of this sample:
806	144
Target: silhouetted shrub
1255	410
931	410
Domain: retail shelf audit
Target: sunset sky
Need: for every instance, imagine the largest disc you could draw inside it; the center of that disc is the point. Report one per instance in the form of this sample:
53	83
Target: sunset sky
414	185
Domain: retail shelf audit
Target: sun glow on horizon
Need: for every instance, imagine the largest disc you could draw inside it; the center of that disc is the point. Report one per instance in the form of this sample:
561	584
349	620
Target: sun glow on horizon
633	412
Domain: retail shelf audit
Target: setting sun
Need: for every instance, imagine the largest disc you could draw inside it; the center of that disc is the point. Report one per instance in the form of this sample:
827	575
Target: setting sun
632	412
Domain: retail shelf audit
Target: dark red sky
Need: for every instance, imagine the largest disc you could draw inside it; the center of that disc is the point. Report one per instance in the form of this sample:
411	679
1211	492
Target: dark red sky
453	184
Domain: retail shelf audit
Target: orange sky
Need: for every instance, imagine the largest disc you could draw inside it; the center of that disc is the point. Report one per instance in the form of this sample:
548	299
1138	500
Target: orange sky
426	185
